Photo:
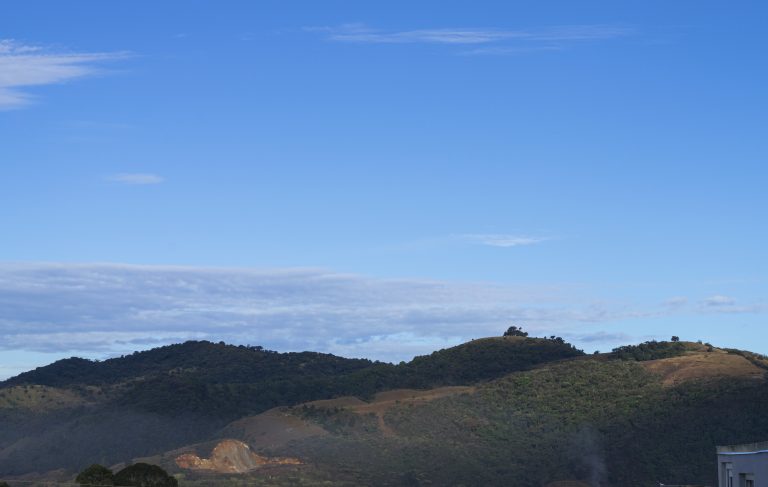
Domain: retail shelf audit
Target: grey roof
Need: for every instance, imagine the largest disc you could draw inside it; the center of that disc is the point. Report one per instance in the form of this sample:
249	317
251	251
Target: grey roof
743	449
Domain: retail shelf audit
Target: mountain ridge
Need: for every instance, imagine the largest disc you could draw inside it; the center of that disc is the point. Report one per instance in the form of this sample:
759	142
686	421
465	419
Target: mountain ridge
492	411
179	394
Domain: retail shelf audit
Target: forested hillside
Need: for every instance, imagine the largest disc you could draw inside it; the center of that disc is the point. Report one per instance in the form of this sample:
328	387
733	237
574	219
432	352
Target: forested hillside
606	422
74	411
509	410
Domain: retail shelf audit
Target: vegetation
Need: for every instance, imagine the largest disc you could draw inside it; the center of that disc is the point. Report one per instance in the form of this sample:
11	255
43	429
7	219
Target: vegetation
515	331
144	475
651	350
340	420
608	423
227	382
136	475
756	359
483	359
539	411
96	475
175	395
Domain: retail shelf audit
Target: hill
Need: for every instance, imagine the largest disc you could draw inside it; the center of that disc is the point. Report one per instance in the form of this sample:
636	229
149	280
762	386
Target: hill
498	411
607	420
75	412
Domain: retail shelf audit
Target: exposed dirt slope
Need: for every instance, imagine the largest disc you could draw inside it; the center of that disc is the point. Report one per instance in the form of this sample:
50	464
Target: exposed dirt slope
703	365
231	456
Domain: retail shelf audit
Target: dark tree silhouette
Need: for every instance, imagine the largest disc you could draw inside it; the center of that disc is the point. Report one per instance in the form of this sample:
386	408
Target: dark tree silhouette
144	475
95	475
675	338
514	331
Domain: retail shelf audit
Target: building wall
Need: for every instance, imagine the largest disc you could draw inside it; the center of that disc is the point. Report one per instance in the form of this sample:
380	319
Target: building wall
754	463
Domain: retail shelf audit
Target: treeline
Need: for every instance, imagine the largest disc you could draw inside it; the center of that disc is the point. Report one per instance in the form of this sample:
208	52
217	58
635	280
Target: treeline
651	350
136	475
211	362
227	382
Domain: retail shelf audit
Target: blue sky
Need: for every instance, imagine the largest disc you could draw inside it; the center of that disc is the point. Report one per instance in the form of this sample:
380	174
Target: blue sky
591	169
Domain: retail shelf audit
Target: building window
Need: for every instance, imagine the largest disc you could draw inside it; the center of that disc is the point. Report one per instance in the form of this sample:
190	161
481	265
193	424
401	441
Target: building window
726	475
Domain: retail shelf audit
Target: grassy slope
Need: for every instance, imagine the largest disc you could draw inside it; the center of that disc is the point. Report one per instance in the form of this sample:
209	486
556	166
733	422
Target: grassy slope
584	419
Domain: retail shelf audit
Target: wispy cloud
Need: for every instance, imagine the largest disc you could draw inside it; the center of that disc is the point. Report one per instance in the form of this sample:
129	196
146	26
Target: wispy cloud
502	240
719	300
104	309
135	178
675	302
719	303
510	50
23	66
603	337
107	307
506	41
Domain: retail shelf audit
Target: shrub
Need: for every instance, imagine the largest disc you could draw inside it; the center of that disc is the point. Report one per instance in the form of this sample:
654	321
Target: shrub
514	331
144	475
95	475
651	350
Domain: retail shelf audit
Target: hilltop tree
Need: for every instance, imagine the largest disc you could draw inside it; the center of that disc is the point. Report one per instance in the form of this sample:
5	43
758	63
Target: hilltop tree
95	475
514	331
675	338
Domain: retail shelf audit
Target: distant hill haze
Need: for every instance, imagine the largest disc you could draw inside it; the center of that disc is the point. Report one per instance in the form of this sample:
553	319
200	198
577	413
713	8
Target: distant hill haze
508	410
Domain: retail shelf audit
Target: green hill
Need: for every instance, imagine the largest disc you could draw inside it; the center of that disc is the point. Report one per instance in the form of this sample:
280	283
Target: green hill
498	411
601	420
156	400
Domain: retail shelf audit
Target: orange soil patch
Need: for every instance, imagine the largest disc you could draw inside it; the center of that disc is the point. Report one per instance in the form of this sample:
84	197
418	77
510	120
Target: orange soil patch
696	366
231	456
